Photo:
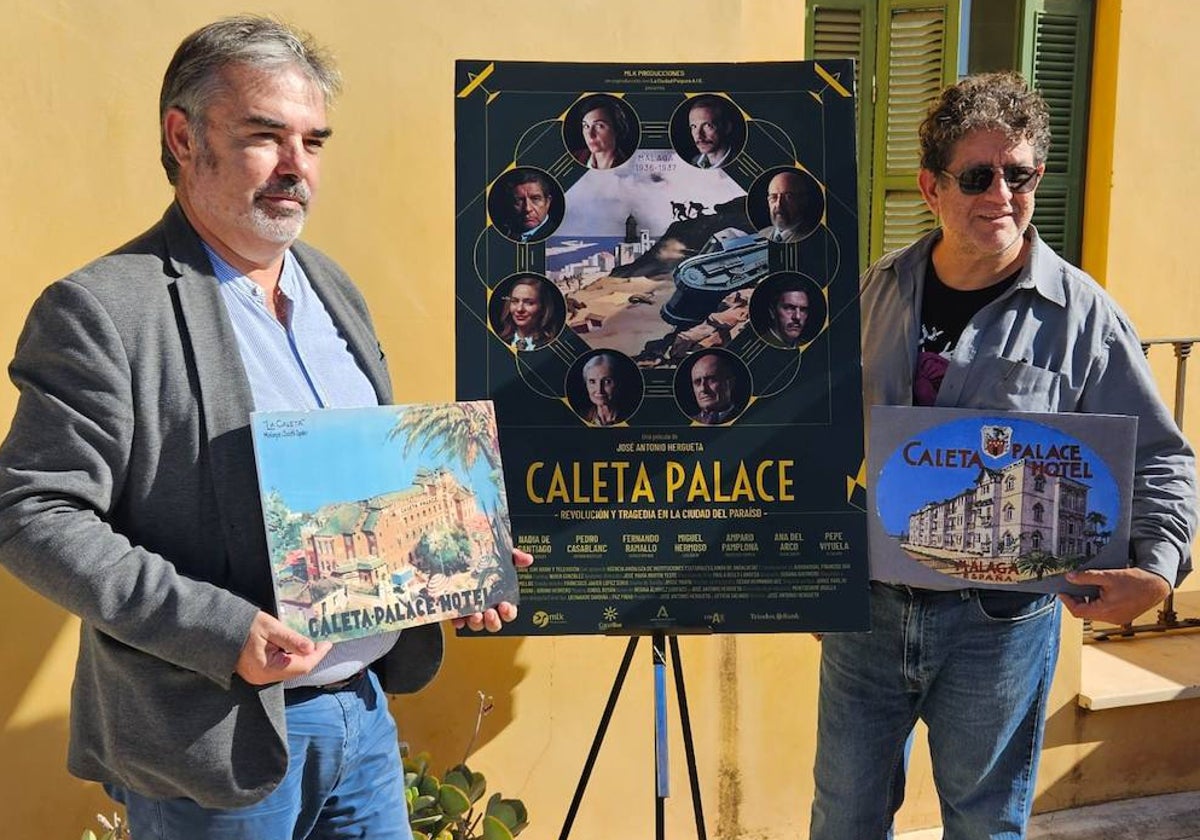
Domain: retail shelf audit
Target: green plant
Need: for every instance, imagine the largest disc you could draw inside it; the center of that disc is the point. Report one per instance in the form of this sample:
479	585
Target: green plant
448	808
438	809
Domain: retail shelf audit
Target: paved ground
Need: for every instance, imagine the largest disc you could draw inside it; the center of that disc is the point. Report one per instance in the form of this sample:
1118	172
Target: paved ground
1174	816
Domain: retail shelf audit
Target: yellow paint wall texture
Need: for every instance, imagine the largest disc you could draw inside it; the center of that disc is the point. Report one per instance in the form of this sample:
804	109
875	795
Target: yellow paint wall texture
79	142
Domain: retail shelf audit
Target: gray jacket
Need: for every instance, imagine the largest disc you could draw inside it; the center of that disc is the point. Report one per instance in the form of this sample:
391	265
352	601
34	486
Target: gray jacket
128	496
1055	341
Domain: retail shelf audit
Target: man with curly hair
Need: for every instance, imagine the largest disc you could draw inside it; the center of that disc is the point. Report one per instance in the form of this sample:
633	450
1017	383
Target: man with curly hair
981	313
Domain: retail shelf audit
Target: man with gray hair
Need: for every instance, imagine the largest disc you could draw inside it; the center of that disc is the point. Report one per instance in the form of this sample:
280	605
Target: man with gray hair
127	485
528	206
981	313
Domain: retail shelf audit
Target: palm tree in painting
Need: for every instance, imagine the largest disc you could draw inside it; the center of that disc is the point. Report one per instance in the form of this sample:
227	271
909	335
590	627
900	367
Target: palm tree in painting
450	430
1037	563
1098	537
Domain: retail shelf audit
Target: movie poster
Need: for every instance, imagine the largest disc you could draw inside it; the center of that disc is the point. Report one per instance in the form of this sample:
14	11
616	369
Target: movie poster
657	278
384	517
968	498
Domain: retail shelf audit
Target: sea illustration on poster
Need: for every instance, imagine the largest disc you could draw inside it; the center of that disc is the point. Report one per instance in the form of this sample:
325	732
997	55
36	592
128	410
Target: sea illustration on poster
384	517
997	499
626	239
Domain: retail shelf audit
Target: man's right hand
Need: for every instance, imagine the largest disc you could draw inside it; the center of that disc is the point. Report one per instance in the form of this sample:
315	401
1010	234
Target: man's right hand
274	652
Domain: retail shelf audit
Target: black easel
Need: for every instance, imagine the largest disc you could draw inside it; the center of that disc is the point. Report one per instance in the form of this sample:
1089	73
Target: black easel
658	640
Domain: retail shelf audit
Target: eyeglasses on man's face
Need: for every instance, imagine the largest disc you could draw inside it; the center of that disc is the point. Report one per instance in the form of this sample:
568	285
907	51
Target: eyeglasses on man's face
978	179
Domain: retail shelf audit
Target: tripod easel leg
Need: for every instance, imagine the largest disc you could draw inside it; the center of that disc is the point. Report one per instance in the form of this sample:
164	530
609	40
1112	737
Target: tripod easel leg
599	739
689	746
662	768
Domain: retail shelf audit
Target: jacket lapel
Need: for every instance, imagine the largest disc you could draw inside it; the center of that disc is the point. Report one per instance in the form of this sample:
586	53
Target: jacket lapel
224	401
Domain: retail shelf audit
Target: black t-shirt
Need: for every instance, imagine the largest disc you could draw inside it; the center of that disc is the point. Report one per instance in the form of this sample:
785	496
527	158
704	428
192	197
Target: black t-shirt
944	314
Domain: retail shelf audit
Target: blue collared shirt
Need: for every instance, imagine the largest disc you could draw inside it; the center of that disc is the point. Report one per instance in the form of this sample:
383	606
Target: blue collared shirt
304	365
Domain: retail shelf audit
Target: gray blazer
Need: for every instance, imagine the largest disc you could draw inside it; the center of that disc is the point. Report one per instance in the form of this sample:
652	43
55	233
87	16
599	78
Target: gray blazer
128	496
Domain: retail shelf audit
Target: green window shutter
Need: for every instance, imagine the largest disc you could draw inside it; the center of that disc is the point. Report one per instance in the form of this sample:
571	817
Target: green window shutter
917	55
1056	47
846	29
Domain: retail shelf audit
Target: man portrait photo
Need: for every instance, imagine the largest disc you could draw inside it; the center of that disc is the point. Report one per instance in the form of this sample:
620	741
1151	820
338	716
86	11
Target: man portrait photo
787	310
717	383
708	131
526	205
792	208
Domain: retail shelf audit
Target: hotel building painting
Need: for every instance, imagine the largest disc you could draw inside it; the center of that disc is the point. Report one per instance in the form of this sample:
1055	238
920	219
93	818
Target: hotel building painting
1014	511
361	554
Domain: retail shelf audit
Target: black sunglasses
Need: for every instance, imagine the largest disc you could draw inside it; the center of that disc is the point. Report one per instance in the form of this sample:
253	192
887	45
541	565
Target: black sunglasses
978	179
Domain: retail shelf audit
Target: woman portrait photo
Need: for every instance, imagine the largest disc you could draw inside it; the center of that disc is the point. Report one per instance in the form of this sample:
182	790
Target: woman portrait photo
601	132
527	312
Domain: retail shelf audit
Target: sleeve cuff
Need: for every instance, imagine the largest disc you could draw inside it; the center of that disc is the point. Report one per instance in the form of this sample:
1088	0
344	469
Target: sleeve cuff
1159	557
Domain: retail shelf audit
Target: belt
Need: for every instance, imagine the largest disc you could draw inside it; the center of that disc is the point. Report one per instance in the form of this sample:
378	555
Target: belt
292	695
928	594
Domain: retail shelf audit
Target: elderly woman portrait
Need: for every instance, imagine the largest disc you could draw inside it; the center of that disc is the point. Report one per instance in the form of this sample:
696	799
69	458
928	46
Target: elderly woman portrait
604	389
530	315
607	132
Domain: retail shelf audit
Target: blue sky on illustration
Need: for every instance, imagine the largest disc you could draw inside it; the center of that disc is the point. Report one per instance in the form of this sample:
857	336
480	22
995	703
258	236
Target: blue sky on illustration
600	201
345	456
901	488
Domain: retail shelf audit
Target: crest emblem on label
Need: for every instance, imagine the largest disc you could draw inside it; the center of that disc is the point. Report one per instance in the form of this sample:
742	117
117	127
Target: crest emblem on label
995	440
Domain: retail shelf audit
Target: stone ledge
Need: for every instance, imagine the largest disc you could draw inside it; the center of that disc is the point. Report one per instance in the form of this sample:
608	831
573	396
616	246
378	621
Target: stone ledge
1173	816
1148	668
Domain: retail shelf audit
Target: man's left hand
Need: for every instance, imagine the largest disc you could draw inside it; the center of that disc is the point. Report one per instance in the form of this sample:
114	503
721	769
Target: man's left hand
1124	594
493	618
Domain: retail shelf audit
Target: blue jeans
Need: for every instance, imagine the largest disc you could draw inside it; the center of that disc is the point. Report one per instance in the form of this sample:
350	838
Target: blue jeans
344	780
975	666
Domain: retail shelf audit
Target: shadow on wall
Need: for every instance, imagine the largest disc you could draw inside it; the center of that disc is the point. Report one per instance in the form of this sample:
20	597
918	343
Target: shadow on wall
441	718
38	790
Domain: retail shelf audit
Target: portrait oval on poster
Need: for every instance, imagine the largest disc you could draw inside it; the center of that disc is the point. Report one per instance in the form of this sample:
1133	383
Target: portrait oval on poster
997	500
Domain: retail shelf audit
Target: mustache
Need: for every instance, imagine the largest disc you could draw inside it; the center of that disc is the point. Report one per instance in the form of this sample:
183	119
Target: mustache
289	187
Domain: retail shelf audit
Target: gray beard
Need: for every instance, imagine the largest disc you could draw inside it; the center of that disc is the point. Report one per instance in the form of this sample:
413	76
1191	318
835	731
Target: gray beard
280	229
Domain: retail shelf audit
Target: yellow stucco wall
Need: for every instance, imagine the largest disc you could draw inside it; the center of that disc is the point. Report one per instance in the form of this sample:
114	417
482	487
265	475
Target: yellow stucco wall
1142	172
78	139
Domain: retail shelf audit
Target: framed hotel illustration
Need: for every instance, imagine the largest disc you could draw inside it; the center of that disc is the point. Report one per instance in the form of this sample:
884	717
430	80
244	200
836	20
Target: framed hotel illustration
656	283
384	517
967	498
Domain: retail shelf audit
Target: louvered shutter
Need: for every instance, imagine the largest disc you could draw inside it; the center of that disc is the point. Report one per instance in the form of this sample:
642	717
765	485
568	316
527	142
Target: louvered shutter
916	57
1056	57
846	29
